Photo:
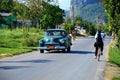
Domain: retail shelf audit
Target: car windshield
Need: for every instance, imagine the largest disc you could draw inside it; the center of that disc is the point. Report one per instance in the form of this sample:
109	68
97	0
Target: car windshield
55	33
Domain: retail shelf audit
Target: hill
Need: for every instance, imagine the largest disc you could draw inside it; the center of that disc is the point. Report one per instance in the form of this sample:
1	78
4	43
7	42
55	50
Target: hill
90	10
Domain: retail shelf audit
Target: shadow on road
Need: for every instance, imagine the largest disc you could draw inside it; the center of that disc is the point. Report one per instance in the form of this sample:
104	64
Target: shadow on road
24	61
28	61
72	52
81	52
12	67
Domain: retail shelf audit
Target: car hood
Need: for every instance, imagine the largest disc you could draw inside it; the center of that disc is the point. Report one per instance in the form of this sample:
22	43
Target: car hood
52	38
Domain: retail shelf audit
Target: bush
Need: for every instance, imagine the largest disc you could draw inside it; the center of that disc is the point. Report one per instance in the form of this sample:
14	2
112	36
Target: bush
18	41
114	54
34	30
31	40
116	78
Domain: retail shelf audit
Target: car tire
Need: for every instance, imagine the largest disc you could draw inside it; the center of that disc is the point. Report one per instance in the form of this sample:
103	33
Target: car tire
68	49
41	51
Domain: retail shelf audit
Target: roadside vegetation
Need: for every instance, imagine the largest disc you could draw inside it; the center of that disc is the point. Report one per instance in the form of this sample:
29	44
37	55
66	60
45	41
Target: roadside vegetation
116	78
114	26
22	29
18	41
113	67
114	59
114	54
18	38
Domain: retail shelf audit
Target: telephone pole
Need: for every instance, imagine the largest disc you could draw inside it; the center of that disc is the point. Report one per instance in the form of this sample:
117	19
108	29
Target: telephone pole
72	12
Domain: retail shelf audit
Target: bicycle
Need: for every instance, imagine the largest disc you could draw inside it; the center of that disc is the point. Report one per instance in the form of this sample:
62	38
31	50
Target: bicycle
99	53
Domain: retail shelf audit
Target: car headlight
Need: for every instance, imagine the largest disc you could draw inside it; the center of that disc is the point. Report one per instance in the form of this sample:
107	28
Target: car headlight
46	39
62	41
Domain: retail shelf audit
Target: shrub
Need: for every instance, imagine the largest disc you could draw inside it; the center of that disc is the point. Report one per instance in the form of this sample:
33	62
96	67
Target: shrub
18	41
114	55
116	78
31	40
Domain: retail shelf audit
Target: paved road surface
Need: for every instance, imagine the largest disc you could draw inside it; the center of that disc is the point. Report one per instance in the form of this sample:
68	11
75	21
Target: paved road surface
79	64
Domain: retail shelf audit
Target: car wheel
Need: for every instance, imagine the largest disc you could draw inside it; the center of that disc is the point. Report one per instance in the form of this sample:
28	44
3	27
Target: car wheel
68	49
41	51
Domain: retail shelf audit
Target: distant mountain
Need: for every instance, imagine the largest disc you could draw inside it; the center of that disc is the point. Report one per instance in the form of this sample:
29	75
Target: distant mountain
67	12
90	10
83	3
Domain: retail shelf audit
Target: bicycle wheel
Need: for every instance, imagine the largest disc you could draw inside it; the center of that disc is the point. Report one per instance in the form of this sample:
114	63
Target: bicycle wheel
98	57
99	53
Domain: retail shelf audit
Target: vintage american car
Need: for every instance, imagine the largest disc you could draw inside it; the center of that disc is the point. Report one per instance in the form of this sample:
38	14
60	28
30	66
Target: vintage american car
55	39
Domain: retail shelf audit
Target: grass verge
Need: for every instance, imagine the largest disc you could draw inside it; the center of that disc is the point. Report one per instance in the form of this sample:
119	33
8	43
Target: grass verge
114	54
18	41
113	67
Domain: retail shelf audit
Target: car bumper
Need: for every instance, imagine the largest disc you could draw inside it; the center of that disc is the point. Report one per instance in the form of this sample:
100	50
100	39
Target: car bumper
55	48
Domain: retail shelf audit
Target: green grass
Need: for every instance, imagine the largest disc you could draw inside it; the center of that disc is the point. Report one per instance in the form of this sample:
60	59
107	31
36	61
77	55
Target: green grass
114	54
116	78
18	41
13	51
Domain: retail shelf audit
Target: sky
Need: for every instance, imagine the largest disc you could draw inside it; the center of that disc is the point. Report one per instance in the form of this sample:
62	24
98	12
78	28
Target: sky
64	4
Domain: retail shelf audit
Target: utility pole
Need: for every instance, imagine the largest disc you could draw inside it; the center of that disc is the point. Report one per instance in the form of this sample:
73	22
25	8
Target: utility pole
72	12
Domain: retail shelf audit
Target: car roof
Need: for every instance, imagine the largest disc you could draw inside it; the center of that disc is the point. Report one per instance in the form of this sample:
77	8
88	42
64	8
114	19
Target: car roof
56	30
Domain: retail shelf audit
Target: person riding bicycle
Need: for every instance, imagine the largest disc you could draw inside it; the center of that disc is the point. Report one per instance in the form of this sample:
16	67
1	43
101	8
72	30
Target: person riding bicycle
99	43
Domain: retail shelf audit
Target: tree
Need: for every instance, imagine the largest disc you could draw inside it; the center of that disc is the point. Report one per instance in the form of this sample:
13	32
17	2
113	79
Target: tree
68	26
89	27
112	7
6	5
46	21
59	14
52	16
35	10
20	10
78	21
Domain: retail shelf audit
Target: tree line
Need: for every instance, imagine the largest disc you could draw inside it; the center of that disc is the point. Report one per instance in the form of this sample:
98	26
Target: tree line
44	15
41	13
90	27
112	7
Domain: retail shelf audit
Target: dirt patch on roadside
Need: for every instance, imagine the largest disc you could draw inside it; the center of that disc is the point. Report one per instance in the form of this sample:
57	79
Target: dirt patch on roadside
112	71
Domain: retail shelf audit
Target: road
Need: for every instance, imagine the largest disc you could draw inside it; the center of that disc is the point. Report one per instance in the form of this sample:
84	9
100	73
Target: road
79	64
